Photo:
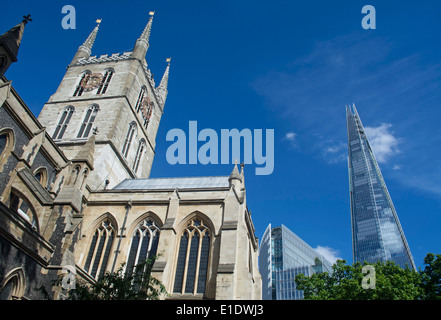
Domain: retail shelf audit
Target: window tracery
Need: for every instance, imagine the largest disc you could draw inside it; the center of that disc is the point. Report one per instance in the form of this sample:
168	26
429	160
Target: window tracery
192	261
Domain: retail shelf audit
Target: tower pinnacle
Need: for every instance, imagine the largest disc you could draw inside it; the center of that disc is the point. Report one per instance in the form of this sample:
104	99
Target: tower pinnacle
235	174
162	88
11	40
142	43
85	49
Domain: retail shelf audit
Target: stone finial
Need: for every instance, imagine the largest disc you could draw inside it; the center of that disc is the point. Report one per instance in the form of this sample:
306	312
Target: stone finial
162	88
145	35
88	44
142	43
85	49
235	174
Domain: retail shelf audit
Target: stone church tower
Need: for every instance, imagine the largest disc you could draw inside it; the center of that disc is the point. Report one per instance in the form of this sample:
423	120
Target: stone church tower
77	181
114	96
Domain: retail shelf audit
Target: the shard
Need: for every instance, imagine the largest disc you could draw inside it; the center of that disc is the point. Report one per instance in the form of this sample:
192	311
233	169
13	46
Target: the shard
376	231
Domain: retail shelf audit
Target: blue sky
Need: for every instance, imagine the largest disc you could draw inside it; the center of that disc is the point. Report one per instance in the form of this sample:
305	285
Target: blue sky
291	66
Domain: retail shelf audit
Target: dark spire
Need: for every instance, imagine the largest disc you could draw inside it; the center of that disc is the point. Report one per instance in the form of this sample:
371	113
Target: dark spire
11	40
10	43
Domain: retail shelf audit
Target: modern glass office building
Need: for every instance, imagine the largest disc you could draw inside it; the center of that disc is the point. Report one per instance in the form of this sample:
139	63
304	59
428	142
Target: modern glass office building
376	231
282	256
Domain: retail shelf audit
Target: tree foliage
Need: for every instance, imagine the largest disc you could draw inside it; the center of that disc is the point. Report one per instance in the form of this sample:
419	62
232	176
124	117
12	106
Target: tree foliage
391	282
139	285
431	277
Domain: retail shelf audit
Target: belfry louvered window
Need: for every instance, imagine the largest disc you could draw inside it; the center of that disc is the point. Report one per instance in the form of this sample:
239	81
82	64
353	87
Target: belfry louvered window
192	263
140	99
129	138
143	245
100	248
102	89
139	153
89	118
80	87
64	121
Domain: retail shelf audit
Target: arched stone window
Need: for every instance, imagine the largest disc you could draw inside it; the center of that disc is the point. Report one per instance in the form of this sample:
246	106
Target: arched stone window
89	118
74	175
140	99
102	89
24	209
63	122
41	175
139	153
130	134
192	262
83	81
143	245
100	249
13	285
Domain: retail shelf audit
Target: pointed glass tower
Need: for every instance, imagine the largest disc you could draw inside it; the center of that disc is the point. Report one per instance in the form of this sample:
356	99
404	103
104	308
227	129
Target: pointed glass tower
376	230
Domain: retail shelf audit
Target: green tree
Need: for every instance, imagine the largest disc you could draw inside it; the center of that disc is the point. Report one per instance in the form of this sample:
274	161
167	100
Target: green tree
431	277
140	285
390	281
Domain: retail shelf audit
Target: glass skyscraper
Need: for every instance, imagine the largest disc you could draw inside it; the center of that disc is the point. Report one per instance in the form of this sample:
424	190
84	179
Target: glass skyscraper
282	256
376	231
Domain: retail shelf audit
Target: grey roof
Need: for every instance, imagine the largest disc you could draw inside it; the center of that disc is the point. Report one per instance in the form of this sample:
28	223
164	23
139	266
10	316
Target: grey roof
173	183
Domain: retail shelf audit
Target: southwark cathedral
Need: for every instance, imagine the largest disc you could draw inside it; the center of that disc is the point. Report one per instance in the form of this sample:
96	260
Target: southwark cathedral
75	192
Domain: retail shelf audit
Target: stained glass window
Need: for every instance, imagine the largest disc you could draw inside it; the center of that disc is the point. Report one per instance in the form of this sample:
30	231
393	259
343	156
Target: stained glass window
99	251
192	264
144	244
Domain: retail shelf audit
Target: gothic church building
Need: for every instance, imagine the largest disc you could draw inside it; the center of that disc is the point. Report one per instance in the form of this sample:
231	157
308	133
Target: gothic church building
75	192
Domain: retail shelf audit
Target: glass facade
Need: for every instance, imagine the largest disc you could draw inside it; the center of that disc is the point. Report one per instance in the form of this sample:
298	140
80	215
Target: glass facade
376	231
282	256
265	264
